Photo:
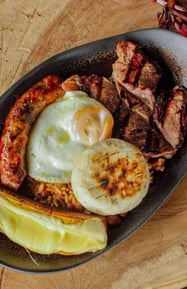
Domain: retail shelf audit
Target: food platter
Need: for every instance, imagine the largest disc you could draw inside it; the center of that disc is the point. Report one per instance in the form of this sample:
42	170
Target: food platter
97	57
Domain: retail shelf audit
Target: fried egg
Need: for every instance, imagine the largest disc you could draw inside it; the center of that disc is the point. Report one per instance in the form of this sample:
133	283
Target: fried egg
111	177
62	132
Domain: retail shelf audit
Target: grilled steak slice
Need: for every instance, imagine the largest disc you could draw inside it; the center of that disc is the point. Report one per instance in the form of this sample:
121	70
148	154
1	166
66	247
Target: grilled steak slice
134	123
157	126
100	88
103	90
170	116
157	146
17	126
135	130
136	72
133	103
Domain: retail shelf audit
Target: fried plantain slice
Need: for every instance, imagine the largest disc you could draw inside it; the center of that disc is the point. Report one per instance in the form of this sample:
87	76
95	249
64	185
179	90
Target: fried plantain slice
48	231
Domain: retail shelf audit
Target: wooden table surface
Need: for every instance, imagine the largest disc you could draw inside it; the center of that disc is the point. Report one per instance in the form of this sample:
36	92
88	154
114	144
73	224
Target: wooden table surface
31	31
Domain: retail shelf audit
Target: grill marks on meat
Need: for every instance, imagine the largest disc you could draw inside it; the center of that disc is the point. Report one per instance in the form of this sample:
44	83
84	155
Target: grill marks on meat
157	127
97	87
103	90
157	146
136	126
136	130
135	72
17	126
170	115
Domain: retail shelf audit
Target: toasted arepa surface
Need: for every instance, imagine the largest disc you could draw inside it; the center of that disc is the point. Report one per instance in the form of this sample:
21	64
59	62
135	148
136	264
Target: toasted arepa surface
111	177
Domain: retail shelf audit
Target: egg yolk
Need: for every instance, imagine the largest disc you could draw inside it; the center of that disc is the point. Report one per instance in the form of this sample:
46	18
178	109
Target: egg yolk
91	124
62	132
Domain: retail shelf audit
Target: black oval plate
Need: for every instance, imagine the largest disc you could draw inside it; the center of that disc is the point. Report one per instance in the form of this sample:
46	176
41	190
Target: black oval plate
170	49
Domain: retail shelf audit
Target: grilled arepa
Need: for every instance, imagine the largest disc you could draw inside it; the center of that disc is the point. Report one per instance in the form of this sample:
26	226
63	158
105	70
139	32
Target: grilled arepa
111	177
47	231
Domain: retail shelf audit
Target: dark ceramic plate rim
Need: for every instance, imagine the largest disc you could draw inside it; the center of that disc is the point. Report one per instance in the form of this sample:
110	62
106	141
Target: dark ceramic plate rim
162	44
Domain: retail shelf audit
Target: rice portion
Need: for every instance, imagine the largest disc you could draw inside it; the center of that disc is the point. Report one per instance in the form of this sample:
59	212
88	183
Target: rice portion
52	195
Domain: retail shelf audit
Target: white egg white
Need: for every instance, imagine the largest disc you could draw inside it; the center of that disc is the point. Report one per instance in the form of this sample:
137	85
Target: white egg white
62	132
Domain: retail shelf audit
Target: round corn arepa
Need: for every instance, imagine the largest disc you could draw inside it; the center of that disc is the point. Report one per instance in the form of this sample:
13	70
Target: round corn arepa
111	177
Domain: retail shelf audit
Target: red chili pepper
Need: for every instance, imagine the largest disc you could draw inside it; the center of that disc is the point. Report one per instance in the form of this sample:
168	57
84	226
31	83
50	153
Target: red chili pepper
172	16
182	31
171	3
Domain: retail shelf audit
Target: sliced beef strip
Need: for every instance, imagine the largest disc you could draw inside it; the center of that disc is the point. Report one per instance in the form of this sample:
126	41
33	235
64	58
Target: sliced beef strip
97	87
136	72
138	131
103	90
170	116
157	146
164	123
134	103
135	124
135	130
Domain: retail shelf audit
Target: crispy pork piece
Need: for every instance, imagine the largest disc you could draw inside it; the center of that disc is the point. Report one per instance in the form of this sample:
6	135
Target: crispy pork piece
170	116
74	82
17	126
136	72
98	87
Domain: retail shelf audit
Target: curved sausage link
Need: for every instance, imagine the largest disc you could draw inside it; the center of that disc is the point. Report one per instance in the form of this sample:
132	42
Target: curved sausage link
17	126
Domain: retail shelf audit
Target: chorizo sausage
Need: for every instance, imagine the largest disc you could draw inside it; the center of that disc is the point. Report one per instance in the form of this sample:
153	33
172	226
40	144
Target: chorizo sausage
17	126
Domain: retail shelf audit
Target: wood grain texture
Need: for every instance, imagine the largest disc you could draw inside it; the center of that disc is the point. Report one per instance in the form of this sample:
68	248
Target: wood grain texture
155	257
